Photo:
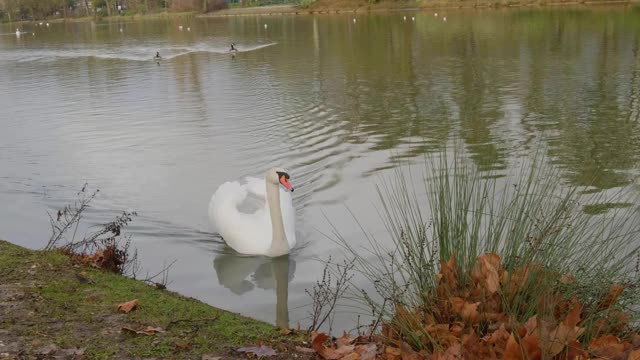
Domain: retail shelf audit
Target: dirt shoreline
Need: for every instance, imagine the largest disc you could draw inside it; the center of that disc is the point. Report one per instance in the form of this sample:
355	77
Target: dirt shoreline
52	308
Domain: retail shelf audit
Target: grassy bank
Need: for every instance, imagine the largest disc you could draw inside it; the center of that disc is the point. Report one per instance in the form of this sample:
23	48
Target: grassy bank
50	306
156	15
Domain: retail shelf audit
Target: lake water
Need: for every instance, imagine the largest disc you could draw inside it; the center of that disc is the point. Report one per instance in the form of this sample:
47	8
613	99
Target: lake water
336	102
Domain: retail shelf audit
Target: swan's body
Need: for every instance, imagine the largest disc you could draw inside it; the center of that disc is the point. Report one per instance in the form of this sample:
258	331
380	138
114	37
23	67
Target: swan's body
258	217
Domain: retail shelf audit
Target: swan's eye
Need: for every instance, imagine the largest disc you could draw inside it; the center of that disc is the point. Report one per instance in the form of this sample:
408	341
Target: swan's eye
282	174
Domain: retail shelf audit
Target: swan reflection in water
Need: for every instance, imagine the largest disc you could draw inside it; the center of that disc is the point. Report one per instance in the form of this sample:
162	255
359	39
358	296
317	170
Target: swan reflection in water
233	272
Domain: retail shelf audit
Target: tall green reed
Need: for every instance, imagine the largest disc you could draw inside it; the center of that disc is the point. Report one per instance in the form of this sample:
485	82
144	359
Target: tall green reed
529	217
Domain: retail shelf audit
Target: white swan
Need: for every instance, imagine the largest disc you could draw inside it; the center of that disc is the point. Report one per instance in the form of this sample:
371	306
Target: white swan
256	218
18	32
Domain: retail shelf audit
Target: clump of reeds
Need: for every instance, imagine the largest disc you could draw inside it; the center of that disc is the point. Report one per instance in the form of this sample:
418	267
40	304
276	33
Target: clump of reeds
508	267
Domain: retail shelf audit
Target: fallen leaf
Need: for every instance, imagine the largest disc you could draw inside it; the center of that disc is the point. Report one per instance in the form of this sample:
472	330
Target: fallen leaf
531	346
512	351
614	293
304	350
128	306
351	356
259	351
607	346
531	325
149	331
318	345
393	353
454	352
48	350
573	318
567	279
367	352
634	355
286	331
447	278
345	340
485	272
211	357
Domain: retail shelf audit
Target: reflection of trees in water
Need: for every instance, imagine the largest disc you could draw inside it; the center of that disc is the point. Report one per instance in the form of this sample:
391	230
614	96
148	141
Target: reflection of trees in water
241	274
478	102
585	105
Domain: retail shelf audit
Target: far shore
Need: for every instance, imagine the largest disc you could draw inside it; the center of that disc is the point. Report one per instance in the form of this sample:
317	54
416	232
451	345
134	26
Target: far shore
350	6
336	6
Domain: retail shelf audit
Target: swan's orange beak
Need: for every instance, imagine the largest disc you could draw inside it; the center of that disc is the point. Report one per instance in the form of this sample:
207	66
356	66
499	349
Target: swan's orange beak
285	182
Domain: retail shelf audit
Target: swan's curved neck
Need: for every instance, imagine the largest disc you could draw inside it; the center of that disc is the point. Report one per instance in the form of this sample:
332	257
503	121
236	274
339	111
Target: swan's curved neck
279	244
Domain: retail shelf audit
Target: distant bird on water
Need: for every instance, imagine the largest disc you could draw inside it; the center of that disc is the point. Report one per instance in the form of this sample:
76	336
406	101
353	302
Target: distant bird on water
233	48
180	27
266	26
17	32
157	58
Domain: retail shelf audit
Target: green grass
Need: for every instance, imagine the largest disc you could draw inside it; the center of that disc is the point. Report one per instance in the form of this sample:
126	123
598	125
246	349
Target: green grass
70	314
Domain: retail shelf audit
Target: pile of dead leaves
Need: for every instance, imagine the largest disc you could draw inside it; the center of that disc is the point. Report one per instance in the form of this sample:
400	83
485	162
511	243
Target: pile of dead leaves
468	319
471	321
346	347
108	258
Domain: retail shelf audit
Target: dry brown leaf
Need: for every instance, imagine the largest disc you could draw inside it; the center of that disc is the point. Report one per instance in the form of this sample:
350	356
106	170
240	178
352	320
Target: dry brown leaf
352	356
407	352
367	351
318	345
286	331
573	318
562	336
454	352
448	277
149	330
531	325
486	272
575	352
304	350
531	347
567	279
607	346
259	351
474	347
128	306
393	353
470	312
614	293
211	357
634	355
512	350
345	340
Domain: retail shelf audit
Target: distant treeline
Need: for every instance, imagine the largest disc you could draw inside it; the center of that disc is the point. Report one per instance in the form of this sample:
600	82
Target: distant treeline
13	10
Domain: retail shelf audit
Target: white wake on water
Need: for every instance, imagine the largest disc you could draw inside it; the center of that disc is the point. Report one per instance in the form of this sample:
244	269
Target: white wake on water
138	53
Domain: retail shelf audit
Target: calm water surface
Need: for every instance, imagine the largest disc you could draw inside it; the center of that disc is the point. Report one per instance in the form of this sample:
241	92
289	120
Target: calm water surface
337	103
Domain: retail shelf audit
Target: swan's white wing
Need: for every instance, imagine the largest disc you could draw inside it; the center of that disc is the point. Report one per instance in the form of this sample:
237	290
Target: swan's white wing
247	233
251	203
